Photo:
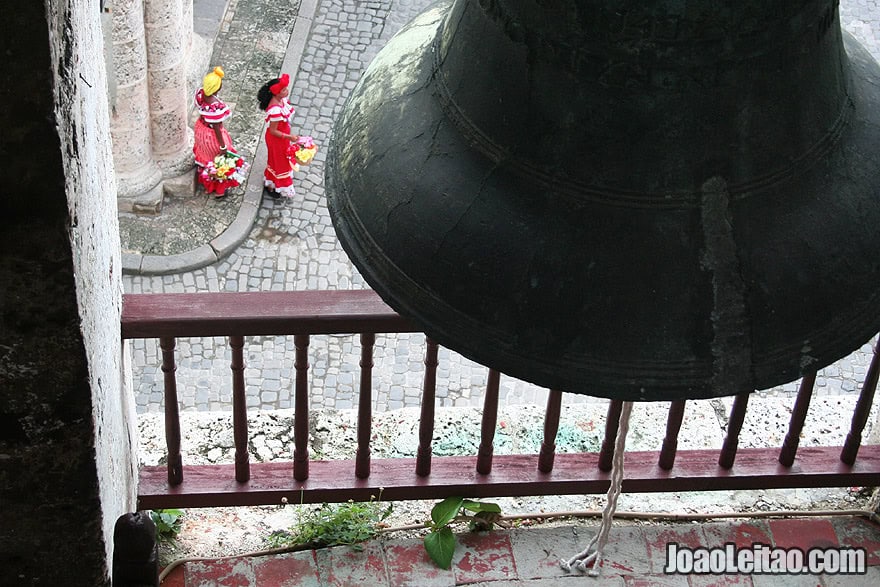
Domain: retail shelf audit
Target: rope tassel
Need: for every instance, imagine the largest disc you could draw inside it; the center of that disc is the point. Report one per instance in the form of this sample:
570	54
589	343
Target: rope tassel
585	561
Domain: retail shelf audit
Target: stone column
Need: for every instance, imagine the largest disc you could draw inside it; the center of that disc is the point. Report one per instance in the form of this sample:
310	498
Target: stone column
138	175
168	37
188	26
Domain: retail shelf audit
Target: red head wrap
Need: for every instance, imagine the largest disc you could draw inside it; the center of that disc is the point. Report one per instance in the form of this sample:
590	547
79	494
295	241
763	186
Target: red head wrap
282	83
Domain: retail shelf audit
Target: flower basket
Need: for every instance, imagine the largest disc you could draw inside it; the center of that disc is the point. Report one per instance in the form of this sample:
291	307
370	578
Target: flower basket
303	150
227	170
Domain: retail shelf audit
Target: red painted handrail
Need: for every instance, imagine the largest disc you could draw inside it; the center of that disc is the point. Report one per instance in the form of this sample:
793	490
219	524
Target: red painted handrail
258	313
303	314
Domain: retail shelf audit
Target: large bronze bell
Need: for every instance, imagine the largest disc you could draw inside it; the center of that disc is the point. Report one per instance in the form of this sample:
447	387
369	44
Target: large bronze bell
641	200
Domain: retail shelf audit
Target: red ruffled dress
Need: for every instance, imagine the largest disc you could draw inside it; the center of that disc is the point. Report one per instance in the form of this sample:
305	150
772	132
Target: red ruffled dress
279	166
205	145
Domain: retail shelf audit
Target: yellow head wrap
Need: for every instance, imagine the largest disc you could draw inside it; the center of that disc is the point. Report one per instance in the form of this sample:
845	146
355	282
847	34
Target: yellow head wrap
211	82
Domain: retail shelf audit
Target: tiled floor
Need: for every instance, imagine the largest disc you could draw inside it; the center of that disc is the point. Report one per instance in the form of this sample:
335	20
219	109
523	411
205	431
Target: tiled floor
635	556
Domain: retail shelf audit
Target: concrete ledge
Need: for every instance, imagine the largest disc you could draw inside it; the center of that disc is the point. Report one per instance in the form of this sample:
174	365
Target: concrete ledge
164	264
300	35
131	263
238	231
227	241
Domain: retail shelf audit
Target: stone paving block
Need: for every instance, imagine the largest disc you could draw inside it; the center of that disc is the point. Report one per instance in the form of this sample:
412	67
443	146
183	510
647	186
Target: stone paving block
409	565
345	566
538	551
626	552
295	569
482	556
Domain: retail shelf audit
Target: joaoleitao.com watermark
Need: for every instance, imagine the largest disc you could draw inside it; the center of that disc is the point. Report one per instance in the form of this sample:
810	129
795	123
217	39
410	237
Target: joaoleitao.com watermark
764	559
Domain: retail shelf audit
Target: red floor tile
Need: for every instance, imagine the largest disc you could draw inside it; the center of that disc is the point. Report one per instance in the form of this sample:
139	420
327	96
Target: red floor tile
489	557
719	580
175	578
483	556
346	566
409	565
295	569
233	572
743	534
657	581
859	532
626	552
658	537
803	533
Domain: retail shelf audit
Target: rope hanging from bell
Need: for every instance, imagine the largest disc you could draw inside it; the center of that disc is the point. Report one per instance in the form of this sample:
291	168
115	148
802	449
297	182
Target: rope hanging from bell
591	562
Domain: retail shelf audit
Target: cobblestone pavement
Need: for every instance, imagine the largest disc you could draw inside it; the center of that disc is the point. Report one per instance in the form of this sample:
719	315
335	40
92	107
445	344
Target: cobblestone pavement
292	245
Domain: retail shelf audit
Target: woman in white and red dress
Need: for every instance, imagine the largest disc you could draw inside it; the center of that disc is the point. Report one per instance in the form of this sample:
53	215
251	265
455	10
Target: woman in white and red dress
272	97
211	137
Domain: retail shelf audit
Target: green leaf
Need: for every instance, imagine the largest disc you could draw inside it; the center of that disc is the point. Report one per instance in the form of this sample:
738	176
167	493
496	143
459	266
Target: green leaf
477	506
443	512
168	523
441	546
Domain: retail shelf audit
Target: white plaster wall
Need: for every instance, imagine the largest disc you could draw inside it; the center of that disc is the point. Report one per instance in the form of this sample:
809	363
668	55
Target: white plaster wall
83	124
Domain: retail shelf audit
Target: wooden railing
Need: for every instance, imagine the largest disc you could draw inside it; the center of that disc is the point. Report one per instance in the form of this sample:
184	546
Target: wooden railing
303	314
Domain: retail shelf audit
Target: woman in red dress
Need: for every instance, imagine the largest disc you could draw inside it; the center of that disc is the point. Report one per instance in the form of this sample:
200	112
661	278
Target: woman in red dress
278	177
211	137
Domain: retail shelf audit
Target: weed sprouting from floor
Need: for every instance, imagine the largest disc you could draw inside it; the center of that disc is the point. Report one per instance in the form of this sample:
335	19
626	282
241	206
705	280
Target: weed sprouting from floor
346	524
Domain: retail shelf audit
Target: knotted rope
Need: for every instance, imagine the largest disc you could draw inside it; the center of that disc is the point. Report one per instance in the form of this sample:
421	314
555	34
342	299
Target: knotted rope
581	560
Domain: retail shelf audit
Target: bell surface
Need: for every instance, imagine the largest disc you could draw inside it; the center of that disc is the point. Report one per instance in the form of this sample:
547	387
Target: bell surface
646	201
